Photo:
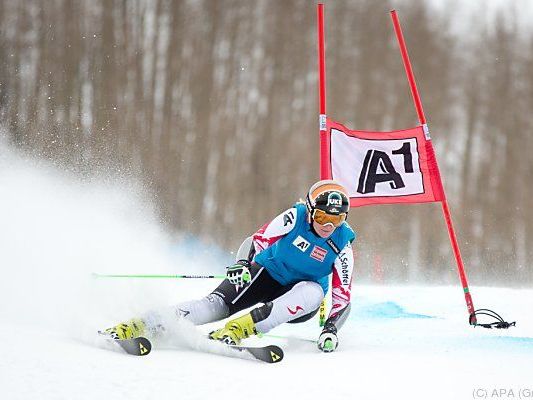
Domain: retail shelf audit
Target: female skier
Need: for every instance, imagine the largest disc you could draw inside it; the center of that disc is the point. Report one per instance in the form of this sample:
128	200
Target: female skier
284	267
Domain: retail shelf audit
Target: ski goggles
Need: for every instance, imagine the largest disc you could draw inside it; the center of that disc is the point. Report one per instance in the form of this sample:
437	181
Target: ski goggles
322	218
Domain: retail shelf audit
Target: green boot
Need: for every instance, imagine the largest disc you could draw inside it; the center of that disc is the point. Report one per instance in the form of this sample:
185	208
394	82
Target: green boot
235	330
127	330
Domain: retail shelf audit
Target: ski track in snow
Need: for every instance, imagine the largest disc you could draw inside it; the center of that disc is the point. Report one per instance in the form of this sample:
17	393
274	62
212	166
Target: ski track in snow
399	342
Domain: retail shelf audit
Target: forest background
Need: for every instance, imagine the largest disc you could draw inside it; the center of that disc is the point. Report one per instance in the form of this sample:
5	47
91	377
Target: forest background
213	106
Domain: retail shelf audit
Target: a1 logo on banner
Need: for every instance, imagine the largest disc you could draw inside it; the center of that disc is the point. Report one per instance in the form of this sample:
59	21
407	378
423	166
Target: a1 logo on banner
384	167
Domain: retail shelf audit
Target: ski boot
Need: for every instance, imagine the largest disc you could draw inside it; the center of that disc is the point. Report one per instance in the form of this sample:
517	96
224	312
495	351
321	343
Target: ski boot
127	330
235	330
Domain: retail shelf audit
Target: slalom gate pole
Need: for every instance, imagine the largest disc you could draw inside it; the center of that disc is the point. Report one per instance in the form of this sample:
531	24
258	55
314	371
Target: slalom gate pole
325	173
142	276
444	202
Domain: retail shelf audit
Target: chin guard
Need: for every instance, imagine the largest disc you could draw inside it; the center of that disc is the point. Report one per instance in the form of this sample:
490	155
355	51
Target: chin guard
498	324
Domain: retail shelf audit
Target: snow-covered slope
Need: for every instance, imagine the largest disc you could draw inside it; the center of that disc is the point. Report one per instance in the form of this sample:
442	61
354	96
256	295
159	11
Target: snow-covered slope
399	342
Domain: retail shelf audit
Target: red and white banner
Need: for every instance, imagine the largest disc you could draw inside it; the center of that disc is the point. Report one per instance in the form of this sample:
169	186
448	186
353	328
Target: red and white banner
384	167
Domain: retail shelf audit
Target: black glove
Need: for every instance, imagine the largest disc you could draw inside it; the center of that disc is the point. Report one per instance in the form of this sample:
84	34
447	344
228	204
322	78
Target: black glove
239	273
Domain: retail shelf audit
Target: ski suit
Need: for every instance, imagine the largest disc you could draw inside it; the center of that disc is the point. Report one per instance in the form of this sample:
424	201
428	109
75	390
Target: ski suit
290	272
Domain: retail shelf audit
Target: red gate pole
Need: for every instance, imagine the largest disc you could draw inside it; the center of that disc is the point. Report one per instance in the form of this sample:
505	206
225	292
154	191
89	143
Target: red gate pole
323	134
325	172
444	202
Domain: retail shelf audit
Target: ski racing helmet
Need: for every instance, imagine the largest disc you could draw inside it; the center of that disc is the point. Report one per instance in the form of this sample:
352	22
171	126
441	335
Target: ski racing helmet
328	203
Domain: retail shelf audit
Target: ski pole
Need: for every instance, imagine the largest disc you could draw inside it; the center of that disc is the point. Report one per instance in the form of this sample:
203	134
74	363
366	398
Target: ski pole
96	275
323	134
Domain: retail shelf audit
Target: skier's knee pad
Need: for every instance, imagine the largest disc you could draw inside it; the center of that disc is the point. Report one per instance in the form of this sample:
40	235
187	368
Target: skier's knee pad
311	293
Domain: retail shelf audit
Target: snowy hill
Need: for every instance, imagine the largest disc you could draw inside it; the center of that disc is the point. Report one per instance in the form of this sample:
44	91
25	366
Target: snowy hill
399	342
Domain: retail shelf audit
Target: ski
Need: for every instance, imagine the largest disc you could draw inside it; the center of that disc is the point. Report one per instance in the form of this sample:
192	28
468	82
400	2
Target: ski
270	354
139	346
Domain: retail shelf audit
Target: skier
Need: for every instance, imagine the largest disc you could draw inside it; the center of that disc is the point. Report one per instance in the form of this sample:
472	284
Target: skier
285	266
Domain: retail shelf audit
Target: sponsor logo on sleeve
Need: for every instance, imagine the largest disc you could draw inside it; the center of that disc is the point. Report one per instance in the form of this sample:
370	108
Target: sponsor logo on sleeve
345	272
288	218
